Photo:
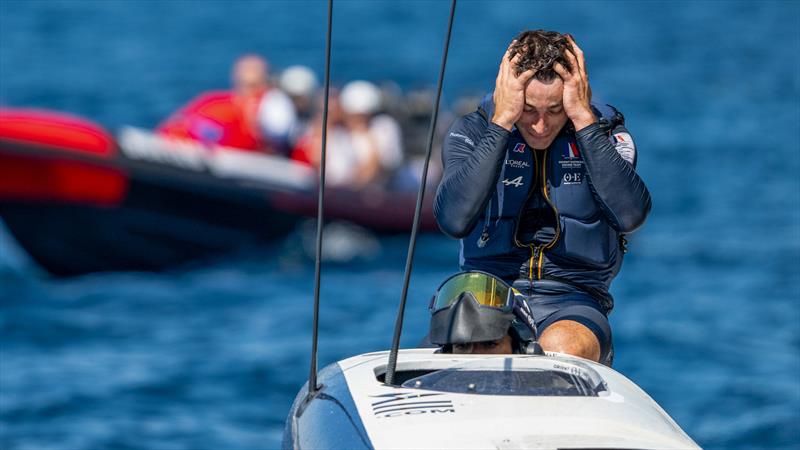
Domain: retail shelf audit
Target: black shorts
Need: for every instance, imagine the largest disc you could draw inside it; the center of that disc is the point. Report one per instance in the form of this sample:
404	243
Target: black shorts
577	306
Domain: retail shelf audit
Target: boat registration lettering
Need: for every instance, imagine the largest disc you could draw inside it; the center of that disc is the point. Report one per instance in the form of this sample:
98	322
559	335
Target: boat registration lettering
572	370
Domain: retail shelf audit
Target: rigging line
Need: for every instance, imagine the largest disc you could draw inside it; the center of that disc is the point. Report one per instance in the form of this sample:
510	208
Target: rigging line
312	377
398	327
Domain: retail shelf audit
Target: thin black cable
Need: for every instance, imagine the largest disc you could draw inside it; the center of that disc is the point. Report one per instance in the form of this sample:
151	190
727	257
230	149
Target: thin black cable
312	377
398	326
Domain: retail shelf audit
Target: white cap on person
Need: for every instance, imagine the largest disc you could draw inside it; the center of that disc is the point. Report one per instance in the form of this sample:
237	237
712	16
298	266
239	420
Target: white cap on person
299	81
360	97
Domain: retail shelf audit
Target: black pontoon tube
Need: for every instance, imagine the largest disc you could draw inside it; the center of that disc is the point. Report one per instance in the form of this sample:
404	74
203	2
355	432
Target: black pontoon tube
398	327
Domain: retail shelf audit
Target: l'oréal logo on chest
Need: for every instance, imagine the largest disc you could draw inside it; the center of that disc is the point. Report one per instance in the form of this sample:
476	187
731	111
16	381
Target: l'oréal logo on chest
517	163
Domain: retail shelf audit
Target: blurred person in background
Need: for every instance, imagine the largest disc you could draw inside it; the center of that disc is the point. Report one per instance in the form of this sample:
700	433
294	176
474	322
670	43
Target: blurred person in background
300	83
255	115
364	145
540	186
343	163
375	135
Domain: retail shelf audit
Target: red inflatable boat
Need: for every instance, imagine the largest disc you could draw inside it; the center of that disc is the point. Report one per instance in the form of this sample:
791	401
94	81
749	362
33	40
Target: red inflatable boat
80	199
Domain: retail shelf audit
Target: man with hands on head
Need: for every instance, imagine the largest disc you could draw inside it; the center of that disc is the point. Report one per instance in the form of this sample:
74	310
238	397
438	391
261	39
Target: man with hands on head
540	186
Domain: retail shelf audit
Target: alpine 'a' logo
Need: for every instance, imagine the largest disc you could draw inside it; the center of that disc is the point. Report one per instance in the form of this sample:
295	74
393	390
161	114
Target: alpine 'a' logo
409	403
516	182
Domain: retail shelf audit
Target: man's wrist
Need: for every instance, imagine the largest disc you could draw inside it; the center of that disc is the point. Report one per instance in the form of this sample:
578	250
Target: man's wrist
503	123
583	120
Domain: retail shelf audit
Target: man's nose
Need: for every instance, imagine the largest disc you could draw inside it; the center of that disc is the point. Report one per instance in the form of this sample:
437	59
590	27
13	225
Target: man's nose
538	125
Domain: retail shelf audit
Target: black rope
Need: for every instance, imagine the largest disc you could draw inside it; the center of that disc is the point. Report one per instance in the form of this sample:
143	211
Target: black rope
398	326
312	377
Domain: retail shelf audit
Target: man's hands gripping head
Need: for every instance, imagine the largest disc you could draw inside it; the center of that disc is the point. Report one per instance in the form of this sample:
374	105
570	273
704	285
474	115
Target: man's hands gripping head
509	90
542	83
577	93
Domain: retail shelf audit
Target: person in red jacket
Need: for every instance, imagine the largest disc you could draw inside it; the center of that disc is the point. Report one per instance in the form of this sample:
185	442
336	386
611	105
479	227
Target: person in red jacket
255	115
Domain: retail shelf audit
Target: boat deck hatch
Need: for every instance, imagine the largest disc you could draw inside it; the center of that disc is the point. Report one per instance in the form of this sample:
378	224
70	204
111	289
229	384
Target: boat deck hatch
517	382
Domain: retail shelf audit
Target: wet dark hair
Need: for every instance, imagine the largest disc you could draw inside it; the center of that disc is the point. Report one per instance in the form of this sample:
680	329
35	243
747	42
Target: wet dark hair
540	50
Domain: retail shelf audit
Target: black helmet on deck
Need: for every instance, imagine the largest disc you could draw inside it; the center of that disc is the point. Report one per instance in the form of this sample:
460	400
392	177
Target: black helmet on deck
472	307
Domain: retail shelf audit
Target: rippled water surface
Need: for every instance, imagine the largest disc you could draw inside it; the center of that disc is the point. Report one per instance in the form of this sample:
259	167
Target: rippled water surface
210	356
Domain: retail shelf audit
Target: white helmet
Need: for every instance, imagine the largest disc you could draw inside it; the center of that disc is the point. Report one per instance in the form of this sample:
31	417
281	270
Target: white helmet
360	97
299	81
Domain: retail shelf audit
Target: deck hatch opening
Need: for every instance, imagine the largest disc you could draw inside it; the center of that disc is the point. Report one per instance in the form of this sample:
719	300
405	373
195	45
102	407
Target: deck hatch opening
552	383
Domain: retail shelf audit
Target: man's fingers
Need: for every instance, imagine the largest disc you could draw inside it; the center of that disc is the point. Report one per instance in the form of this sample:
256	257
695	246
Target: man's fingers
527	75
562	71
508	50
504	60
578	53
574	45
514	63
504	63
573	61
507	54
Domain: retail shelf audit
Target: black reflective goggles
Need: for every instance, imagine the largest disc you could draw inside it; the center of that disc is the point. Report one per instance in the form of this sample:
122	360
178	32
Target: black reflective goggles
488	290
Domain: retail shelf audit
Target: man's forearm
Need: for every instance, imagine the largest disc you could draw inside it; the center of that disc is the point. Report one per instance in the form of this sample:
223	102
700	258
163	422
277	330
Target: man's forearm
619	190
470	175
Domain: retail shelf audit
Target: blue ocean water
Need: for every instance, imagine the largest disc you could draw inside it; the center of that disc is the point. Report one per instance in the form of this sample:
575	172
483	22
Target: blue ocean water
210	356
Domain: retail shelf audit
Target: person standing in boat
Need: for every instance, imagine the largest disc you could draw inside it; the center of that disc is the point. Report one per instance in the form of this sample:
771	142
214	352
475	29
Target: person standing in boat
540	186
254	115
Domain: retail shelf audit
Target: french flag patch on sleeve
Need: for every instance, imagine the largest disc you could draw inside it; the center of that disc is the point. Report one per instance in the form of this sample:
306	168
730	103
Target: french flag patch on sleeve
623	143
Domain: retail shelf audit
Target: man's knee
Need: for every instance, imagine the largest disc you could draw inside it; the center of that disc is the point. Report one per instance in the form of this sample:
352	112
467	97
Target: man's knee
573	338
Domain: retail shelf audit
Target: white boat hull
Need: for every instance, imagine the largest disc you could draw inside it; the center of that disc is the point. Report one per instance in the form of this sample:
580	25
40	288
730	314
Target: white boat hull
474	401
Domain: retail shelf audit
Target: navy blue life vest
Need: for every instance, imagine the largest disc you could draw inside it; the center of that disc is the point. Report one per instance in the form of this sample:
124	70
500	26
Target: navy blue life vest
585	250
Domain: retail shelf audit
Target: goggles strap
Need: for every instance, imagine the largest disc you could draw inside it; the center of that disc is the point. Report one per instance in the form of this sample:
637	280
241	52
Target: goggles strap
523	311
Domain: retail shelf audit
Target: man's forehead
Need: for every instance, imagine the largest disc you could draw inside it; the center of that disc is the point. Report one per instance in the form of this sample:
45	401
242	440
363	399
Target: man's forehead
543	102
544	94
546	103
